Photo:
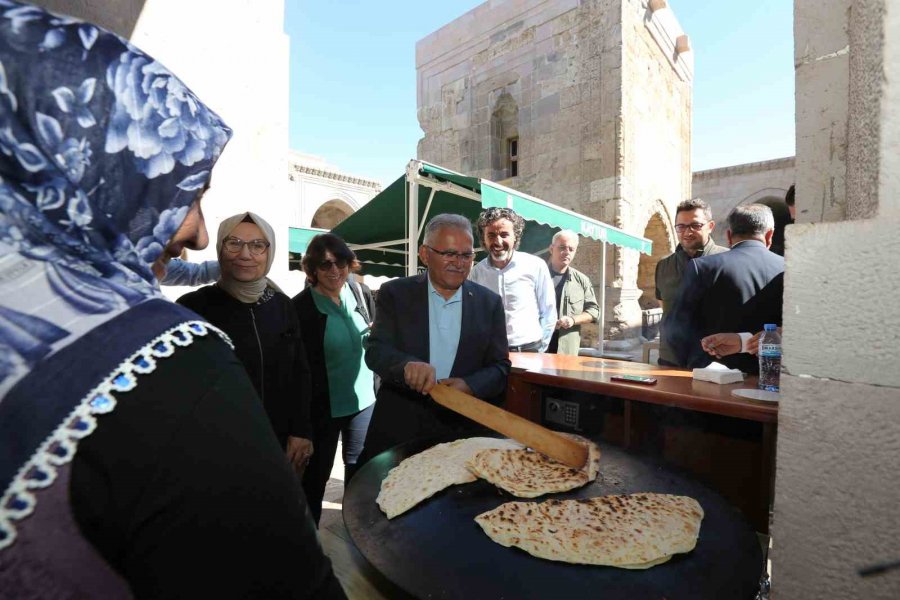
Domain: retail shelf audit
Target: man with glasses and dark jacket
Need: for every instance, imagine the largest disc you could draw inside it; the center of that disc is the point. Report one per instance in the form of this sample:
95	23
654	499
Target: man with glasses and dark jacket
436	327
693	227
739	290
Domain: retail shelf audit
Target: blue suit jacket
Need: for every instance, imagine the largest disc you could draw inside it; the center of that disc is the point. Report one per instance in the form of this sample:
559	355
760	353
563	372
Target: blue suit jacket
738	290
401	335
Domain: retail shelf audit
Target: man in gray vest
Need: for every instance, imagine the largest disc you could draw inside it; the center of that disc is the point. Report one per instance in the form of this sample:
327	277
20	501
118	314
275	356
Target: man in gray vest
693	226
575	300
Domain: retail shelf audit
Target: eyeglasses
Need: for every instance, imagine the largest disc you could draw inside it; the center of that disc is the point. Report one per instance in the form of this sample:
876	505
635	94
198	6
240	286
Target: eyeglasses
327	265
681	227
256	247
452	255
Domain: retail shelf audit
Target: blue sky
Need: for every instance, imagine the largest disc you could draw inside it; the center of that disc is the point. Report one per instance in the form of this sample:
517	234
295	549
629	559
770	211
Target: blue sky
353	79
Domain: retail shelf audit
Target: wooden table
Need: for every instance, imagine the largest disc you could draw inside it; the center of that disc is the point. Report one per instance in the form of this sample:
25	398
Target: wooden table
725	441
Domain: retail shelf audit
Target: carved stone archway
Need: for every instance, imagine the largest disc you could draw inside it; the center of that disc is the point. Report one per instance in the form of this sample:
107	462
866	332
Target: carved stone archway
329	214
657	231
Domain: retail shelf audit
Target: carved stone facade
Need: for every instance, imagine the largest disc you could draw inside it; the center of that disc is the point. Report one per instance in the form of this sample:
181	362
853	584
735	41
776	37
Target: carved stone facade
596	96
321	195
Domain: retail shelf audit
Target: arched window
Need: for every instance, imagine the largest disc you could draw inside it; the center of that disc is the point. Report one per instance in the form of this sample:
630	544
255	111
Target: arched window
505	147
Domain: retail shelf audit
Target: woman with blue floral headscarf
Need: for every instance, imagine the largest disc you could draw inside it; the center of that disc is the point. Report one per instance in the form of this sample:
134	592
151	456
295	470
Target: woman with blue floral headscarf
136	458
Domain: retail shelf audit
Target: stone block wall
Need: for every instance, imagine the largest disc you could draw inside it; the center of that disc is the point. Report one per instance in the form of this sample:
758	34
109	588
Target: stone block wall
553	73
655	146
822	59
729	187
837	484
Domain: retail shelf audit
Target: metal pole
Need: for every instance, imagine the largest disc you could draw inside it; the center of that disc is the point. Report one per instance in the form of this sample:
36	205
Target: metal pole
602	295
412	219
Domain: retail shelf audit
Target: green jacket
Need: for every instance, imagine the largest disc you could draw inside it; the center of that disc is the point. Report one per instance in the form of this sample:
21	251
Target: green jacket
577	297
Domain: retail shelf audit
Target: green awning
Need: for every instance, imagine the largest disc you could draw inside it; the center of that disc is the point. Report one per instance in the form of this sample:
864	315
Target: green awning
299	237
539	211
470	183
377	232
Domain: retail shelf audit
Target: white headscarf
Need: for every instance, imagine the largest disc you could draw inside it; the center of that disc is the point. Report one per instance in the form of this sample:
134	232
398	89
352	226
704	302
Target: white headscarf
247	292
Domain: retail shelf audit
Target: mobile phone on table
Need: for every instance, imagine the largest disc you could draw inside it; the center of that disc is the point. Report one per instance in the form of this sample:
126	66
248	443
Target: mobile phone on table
642	379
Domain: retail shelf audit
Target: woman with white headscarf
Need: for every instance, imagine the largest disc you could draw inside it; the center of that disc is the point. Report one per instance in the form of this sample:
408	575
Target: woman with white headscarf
263	327
135	459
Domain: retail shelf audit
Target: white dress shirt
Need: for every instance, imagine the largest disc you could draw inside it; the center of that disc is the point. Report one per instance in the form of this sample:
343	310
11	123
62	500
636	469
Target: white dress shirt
528	296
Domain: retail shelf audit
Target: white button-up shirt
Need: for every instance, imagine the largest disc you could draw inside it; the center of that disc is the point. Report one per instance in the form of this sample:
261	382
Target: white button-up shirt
529	300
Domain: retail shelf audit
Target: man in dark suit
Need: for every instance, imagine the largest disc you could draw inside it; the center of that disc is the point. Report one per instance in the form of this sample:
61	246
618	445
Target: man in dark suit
434	327
740	290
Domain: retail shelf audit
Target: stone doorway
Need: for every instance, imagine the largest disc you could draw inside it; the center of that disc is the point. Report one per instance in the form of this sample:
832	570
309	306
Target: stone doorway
658	232
330	214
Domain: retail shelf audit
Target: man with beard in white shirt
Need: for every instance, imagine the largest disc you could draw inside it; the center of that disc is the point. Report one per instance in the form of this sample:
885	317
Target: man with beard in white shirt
521	279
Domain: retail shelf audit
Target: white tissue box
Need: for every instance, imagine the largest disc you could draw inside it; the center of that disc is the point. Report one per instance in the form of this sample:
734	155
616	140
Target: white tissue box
718	373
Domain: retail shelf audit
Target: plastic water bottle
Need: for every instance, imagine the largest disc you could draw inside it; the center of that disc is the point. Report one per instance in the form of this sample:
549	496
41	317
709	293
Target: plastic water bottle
770	359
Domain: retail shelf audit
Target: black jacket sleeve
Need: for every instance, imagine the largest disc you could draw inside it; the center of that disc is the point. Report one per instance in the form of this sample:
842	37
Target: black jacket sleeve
682	325
382	353
300	403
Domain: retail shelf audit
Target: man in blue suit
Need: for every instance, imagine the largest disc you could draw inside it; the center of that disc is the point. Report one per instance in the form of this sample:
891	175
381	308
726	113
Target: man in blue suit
738	290
435	327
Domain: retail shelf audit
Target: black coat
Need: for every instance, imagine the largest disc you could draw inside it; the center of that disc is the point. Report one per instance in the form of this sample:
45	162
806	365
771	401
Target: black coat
312	330
266	338
736	291
401	335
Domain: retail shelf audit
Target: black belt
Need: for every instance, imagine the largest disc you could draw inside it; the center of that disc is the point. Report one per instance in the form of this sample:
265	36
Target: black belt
529	347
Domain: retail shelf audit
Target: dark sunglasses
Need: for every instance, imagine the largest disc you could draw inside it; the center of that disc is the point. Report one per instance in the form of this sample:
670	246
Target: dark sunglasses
327	265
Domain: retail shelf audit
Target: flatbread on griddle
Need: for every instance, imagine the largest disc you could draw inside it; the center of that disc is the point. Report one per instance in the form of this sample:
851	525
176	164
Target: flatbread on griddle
527	474
424	474
635	531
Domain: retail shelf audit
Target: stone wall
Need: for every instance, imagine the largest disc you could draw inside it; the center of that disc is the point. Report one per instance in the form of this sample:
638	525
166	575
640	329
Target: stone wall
822	62
552	73
725	188
655	149
836	482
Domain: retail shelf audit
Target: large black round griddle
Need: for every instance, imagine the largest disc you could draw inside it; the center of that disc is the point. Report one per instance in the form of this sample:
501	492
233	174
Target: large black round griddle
436	550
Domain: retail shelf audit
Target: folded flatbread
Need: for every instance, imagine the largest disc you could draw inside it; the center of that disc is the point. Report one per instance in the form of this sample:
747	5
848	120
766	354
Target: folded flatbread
424	474
527	474
635	531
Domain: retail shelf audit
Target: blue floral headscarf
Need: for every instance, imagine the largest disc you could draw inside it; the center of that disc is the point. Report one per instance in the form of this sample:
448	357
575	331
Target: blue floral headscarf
102	152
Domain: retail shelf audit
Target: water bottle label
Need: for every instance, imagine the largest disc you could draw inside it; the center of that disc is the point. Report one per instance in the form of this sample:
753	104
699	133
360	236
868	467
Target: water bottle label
770	349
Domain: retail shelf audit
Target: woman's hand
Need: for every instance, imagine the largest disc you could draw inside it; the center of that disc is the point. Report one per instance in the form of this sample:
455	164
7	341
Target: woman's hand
299	450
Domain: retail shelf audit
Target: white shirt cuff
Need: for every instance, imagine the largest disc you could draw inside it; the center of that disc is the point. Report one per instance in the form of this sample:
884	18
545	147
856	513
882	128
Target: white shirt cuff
745	337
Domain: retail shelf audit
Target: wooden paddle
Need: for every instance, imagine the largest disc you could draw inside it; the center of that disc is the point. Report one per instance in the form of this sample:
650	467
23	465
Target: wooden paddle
541	439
